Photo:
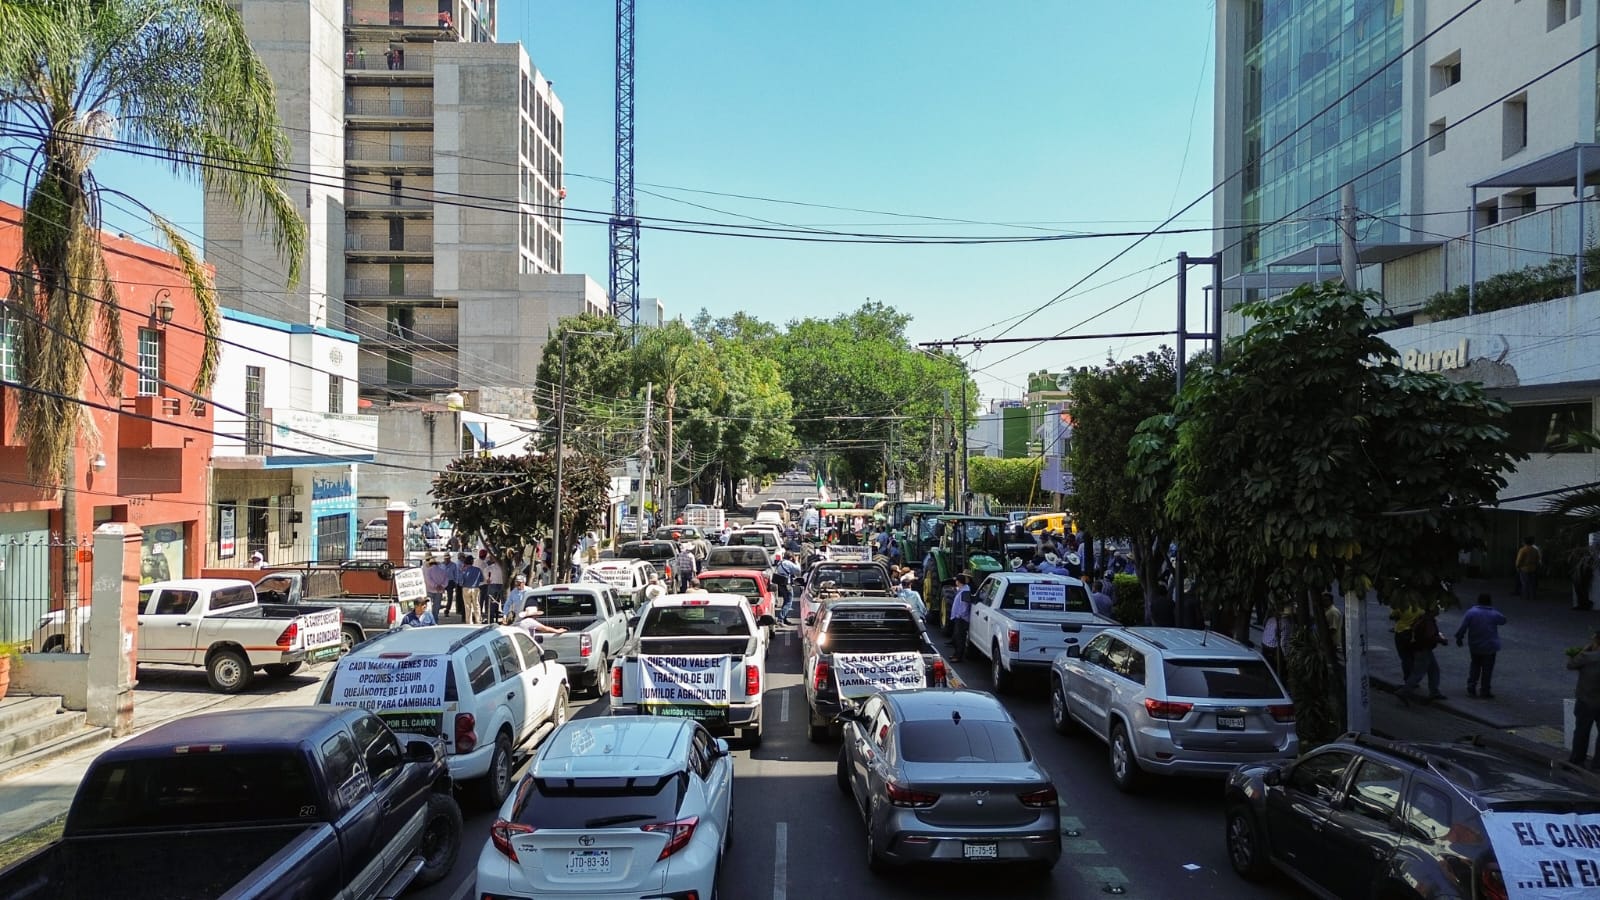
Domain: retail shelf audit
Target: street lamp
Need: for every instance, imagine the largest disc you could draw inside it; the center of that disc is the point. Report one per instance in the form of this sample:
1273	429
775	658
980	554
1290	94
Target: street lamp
557	559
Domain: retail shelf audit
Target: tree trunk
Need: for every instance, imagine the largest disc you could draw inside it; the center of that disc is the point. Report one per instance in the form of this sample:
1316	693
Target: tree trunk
69	557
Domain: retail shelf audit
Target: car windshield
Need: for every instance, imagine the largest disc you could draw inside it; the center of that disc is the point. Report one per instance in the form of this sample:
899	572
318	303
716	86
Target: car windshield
736	584
1230	679
966	741
982	536
600	802
743	556
852	578
694	621
662	550
196	789
563	603
877	629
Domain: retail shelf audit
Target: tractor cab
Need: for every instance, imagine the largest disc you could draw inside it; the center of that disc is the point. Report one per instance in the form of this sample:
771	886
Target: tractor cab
971	544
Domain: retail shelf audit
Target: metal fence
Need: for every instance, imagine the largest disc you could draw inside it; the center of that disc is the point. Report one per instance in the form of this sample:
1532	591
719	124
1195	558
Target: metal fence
30	583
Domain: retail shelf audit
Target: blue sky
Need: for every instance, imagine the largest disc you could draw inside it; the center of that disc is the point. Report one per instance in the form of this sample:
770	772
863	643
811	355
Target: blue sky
1073	116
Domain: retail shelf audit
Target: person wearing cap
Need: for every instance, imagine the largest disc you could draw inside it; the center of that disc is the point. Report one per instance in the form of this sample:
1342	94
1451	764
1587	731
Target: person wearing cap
518	597
908	594
419	615
784	575
1586	712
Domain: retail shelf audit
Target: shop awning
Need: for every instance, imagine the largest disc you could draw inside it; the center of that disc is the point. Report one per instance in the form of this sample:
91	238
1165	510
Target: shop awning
480	433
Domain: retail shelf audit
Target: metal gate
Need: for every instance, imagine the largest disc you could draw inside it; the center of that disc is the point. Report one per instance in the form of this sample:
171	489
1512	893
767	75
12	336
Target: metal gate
30	585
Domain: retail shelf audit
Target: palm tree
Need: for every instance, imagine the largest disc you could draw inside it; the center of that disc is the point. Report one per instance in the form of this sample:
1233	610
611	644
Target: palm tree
175	81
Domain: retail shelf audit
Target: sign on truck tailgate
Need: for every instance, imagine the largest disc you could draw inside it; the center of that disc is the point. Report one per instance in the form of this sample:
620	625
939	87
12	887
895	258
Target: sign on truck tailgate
861	674
407	693
687	686
322	630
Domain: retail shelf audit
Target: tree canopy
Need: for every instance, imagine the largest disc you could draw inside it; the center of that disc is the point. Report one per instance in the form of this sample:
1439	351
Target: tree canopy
1013	482
511	499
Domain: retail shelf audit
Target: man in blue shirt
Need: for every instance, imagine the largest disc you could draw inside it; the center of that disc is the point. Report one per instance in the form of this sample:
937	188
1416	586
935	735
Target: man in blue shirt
419	615
1480	627
452	574
1101	601
960	618
470	578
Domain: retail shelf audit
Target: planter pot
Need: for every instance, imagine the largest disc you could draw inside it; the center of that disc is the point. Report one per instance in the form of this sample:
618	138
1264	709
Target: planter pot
5	674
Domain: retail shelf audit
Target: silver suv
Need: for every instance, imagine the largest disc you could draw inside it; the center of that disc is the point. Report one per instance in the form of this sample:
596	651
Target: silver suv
1173	701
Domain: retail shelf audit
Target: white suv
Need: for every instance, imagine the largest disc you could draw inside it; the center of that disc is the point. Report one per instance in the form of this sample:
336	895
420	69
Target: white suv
620	806
501	694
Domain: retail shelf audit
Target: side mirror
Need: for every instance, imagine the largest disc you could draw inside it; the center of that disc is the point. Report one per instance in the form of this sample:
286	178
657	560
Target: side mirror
1074	651
767	622
849	713
548	655
1272	778
722	747
811	619
420	751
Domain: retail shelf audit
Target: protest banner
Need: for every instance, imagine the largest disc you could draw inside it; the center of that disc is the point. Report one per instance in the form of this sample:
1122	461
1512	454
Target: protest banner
1546	856
860	674
408	693
684	680
1047	596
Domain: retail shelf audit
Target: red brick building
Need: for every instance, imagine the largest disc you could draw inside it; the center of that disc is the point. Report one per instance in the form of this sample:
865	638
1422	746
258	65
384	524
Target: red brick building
149	462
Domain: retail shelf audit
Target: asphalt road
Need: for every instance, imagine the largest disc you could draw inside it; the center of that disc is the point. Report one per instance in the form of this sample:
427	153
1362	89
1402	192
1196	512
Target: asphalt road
797	836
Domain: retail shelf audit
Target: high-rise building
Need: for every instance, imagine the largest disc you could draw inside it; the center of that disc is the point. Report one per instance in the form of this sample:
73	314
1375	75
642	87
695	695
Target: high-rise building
429	161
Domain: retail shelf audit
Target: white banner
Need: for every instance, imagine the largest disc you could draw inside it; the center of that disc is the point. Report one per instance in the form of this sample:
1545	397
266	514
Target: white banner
379	684
1047	597
616	576
860	674
839	553
409	585
1546	856
322	628
684	680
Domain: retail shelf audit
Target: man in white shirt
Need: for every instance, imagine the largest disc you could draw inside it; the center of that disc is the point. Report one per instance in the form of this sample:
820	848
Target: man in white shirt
518	598
494	580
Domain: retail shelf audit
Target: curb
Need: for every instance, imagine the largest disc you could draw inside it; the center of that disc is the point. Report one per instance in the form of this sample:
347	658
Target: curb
1448	706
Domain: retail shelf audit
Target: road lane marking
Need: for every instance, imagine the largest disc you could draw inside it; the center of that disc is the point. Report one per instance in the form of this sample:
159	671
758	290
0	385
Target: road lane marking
783	707
780	863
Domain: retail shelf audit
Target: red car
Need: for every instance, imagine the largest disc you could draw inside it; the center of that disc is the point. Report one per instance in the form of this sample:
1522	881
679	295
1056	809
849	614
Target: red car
752	583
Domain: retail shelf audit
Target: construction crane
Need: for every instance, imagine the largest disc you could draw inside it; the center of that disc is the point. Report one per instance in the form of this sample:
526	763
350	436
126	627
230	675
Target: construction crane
624	282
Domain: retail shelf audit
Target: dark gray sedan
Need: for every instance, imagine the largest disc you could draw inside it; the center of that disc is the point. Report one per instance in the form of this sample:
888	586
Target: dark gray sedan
946	776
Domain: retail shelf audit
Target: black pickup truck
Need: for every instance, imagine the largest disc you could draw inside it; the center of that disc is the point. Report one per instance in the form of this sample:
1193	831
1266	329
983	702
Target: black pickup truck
289	802
859	647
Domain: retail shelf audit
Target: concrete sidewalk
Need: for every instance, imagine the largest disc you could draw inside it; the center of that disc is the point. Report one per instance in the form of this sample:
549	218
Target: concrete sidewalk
33	797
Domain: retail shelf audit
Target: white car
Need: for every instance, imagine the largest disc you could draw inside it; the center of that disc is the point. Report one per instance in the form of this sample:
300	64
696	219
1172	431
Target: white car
501	694
620	806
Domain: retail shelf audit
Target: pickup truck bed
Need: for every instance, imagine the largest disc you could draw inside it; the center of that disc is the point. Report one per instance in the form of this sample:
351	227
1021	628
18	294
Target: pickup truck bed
143	867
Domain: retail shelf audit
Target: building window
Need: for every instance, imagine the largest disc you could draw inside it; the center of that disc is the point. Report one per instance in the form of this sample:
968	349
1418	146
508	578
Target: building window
255	428
335	394
1488	213
1555	15
9	323
1521	203
1436	137
1445	73
1514	125
149	362
1547	428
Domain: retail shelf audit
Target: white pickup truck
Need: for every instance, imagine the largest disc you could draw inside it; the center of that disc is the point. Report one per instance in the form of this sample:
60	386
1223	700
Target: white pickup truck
218	623
1021	620
701	656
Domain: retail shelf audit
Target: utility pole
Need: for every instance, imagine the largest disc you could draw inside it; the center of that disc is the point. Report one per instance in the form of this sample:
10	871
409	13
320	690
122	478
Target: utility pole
644	458
1348	256
966	490
556	559
666	488
1357	694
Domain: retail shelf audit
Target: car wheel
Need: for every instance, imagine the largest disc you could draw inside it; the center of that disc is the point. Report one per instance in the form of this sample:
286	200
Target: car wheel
997	671
1124	766
281	670
1245	850
496	783
816	731
558	715
228	671
56	644
876	864
752	736
441	839
1060	715
841	773
602	681
349	637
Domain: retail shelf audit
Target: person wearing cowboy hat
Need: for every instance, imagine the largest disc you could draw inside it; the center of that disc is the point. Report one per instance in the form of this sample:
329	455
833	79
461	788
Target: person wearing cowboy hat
908	594
419	615
529	619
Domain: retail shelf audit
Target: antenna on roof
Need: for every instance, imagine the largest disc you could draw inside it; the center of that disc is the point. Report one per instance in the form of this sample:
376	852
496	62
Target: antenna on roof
955	716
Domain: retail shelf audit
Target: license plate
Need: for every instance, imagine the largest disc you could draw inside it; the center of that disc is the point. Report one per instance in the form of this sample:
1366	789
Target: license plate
1230	723
980	851
588	862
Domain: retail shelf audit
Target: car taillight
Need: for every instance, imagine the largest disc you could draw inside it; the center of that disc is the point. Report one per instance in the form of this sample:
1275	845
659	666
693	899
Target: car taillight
1491	882
1166	709
1041	799
938	672
585	644
1282	712
616	681
286	640
500	835
394	614
752	681
678	834
907	798
466	732
819	681
1013	641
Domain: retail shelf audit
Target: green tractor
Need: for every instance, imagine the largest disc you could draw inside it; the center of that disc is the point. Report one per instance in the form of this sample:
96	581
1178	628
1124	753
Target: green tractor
917	537
971	544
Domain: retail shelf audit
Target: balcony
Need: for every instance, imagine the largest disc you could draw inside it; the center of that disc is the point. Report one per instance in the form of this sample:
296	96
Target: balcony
418	20
374	62
379	202
381	289
394	115
383	248
380	333
372	156
155	423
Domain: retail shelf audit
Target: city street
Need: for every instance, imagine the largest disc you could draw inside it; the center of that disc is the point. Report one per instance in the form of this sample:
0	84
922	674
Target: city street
797	836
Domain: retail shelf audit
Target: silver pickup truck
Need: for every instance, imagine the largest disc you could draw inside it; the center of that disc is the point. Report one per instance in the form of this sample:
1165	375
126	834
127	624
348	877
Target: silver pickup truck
364	615
597	627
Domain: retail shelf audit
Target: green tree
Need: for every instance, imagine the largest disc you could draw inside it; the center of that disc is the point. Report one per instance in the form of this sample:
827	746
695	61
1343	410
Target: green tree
509	500
1311	457
179	80
598	351
684	375
1108	403
1009	481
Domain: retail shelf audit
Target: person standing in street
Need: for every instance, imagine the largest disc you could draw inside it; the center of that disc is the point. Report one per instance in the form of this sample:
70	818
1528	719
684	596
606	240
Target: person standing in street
1480	629
1529	559
960	618
1101	601
435	580
684	566
452	580
1425	639
471	580
517	598
1404	621
494	585
784	575
1275	637
1586	712
1333	618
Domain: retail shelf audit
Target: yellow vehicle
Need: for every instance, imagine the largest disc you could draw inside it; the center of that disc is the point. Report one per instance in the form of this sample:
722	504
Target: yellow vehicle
1060	523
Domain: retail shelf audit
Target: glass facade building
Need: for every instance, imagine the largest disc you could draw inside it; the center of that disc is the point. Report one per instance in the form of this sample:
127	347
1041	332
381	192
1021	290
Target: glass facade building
1298	58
